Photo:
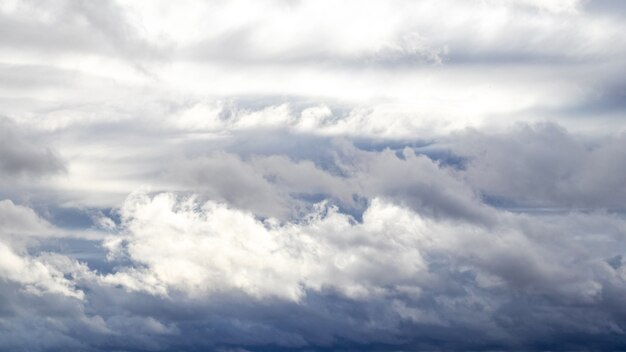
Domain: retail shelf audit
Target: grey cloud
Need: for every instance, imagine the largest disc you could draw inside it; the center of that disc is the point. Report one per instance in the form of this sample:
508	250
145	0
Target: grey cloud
545	166
420	183
609	99
314	185
226	177
270	185
606	7
74	26
525	284
21	156
530	166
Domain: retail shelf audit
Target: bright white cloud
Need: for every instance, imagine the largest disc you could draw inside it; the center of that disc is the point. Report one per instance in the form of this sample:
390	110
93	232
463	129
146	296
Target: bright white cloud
207	248
218	249
40	274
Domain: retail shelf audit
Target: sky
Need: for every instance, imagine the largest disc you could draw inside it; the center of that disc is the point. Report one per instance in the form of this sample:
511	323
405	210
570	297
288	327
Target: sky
280	175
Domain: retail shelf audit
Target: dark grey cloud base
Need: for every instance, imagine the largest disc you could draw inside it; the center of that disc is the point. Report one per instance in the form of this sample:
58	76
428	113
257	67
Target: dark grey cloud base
312	176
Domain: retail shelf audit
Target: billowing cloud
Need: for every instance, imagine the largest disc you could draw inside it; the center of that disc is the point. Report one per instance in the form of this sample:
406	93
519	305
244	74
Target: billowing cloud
272	175
545	166
397	278
37	274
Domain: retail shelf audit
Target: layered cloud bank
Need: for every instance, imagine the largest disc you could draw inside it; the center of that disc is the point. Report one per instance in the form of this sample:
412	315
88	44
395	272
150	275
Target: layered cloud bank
307	175
195	275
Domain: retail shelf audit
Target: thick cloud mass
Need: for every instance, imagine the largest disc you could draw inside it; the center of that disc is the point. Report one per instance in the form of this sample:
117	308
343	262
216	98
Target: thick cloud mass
20	157
313	176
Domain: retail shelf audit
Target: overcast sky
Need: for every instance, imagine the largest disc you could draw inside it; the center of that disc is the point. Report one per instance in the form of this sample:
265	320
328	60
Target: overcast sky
312	175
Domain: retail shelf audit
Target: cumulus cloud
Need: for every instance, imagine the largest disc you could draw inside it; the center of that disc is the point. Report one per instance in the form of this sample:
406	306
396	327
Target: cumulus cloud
271	175
545	166
406	278
281	186
37	274
435	274
20	219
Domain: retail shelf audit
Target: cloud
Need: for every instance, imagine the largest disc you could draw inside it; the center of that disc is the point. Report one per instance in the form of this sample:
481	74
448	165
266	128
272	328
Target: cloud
20	227
282	185
405	278
277	175
422	272
19	157
20	219
545	166
71	26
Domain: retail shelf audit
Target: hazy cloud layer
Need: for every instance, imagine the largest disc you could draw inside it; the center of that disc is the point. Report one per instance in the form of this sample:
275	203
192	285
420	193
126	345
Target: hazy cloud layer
20	156
307	175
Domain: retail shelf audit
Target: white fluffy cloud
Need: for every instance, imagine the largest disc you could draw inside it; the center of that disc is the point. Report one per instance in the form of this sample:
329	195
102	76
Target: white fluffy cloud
424	271
37	274
210	247
202	248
